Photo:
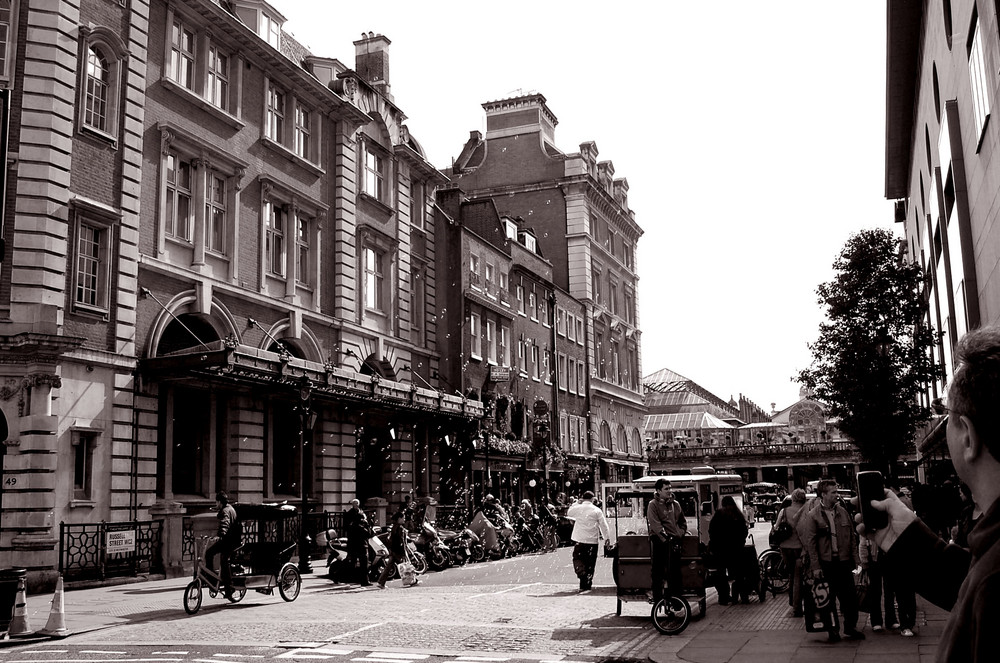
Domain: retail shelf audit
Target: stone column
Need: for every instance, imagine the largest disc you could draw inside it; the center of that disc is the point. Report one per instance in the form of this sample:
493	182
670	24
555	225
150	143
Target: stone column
172	543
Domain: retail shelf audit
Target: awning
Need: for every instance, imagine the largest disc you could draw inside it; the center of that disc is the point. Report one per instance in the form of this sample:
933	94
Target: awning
936	439
658	423
244	365
627	463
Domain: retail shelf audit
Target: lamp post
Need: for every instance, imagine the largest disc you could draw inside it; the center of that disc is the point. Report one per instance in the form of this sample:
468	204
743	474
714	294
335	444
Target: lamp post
306	419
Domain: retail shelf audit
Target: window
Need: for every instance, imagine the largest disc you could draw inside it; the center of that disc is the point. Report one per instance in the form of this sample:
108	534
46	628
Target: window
274	123
595	284
571	379
504	345
215	212
491	342
530	242
218	77
182	55
613	297
510	228
581	425
532	306
616	374
978	79
270	30
475	336
6	17
547	366
92	265
98	74
417	210
178	219
562	371
302	143
599	354
419	305
374	175
535	363
301	249
579	331
275	239
490	290
581	378
522	357
84	443
563	430
574	434
629	309
375	280
519	292
571	326
474	278
561	322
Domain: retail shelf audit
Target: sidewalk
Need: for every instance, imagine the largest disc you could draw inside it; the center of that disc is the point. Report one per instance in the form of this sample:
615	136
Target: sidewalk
764	633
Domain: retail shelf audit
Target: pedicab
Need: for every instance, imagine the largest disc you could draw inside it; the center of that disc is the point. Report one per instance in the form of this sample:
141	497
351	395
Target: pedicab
260	565
699	496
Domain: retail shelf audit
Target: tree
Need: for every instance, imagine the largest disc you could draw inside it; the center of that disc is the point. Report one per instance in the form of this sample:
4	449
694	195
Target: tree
874	354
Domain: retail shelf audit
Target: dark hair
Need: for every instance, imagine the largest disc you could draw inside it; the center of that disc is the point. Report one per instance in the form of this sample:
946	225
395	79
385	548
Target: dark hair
799	496
222	497
660	483
975	387
588	495
728	501
823	485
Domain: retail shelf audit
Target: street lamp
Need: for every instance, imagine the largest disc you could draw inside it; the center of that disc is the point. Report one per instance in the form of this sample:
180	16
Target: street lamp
307	418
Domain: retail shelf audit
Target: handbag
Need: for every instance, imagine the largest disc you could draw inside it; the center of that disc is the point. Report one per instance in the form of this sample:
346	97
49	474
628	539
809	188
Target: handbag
780	531
818	604
861	584
407	573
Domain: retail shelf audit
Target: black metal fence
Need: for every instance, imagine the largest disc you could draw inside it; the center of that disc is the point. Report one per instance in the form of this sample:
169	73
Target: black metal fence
135	548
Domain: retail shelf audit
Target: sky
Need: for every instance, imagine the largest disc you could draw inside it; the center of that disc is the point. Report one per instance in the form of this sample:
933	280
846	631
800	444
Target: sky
751	135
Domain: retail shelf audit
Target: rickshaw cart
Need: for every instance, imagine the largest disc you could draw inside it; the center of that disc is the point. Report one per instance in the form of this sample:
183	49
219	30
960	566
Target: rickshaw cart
698	496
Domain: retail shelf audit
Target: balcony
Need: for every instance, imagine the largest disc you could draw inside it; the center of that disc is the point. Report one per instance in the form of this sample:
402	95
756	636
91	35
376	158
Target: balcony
793	453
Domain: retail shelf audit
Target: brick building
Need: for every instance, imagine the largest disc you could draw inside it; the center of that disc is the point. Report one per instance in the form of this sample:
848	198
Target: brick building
579	212
220	272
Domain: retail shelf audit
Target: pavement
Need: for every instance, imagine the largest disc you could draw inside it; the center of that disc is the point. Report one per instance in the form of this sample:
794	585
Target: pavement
740	633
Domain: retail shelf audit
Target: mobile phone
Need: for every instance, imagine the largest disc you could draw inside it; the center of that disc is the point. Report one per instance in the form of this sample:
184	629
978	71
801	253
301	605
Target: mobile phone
871	487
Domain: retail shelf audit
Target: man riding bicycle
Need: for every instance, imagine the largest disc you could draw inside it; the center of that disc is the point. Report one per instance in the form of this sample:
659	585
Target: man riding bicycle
226	541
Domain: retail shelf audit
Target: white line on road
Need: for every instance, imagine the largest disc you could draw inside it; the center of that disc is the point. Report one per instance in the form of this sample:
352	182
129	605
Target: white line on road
47	651
480	658
504	591
322	653
363	628
405	657
98	651
164	653
103	660
370	659
239	655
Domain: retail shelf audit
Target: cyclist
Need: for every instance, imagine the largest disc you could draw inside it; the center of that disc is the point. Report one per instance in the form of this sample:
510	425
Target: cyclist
227	539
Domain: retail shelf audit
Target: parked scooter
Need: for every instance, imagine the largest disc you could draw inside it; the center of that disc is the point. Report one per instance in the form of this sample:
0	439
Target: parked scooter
460	544
436	551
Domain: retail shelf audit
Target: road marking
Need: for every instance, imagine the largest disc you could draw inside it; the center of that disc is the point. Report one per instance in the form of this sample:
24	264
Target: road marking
356	631
504	591
47	651
480	658
239	655
392	655
371	658
179	653
322	653
103	660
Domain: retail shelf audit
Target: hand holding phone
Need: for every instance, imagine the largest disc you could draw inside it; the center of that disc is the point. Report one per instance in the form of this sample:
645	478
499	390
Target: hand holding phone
871	487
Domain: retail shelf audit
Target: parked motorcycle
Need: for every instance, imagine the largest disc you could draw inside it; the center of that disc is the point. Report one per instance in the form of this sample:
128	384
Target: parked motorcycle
460	544
430	544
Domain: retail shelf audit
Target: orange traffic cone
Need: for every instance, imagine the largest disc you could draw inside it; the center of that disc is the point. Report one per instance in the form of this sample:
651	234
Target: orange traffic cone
56	626
19	625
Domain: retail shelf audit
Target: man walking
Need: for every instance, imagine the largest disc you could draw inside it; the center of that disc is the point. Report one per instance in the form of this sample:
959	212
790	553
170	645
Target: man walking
666	527
832	546
590	527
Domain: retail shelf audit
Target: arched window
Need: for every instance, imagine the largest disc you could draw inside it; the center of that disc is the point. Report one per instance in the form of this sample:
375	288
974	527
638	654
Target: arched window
96	104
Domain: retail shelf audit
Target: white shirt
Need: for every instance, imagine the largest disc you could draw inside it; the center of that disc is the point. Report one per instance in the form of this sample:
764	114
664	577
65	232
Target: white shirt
590	523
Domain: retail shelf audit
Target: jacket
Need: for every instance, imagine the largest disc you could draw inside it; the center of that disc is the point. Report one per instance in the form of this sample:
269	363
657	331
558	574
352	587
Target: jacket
791	514
229	530
966	582
814	529
665	520
727	531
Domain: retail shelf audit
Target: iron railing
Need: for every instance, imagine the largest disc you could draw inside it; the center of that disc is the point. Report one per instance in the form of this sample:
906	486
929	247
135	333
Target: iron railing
83	551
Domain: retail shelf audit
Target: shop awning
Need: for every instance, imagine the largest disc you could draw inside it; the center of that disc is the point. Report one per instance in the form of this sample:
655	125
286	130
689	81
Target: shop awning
935	440
626	463
658	423
244	365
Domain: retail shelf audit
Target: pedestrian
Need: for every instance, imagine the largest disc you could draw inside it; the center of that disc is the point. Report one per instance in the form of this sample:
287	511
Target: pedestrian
831	545
358	532
880	587
227	539
589	528
964	582
727	532
667	525
791	548
397	548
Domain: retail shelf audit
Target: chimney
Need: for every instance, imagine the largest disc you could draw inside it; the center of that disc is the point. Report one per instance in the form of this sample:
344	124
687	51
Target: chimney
523	114
371	61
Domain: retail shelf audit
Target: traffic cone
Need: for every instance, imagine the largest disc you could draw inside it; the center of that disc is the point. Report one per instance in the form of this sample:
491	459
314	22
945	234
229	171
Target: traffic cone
19	625
56	626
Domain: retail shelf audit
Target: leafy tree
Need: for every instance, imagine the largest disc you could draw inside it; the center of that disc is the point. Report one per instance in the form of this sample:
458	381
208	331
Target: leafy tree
874	355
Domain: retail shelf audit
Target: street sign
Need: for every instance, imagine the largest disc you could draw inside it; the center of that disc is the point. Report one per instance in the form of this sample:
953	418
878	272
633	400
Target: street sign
120	542
499	374
541	408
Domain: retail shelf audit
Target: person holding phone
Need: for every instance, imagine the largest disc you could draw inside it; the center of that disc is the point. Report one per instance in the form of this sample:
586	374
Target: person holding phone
964	581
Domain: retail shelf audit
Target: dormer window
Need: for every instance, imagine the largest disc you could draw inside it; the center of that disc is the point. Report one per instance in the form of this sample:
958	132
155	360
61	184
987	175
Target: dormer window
510	229
270	30
529	242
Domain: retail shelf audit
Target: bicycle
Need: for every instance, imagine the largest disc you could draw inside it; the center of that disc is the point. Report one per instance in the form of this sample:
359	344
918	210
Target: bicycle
774	573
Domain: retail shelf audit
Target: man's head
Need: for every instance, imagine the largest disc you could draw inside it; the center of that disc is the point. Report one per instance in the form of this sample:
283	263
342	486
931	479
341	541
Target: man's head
489	499
222	497
827	491
355	503
729	501
663	490
587	495
973	427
